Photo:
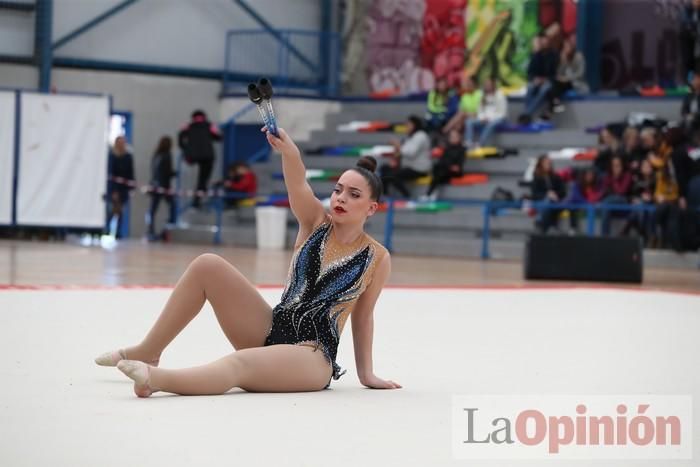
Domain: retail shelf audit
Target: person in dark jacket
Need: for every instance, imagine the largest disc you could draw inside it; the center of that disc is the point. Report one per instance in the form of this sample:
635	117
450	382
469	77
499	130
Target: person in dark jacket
450	165
541	72
689	35
549	187
196	141
120	182
161	174
690	110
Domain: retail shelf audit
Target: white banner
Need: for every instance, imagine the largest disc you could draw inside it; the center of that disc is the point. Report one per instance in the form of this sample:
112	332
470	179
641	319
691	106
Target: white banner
63	160
7	154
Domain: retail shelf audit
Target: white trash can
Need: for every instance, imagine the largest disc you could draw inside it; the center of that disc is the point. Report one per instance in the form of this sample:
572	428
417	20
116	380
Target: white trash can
271	227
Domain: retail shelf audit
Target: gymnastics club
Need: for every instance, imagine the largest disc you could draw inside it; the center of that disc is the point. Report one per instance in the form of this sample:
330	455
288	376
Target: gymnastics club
260	94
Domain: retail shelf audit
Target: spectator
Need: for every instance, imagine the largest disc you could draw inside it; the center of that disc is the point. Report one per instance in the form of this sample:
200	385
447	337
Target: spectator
540	73
609	147
161	173
616	189
438	105
411	159
690	110
570	74
196	140
120	169
450	165
547	187
469	104
668	209
585	189
492	112
690	37
642	193
241	181
632	151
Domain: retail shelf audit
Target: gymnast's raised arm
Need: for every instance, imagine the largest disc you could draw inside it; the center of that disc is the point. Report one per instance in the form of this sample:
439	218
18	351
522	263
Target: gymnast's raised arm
306	207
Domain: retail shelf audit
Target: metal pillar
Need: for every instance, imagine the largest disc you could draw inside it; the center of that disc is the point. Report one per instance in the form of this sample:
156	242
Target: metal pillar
42	42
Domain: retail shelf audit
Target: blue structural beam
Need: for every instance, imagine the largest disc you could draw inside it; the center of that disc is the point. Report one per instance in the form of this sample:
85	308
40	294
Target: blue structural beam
589	15
185	72
17	59
17	6
324	44
93	22
276	34
42	42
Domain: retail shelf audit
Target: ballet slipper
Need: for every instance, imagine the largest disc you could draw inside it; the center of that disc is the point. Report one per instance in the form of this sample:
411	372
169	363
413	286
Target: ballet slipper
140	373
111	358
115	356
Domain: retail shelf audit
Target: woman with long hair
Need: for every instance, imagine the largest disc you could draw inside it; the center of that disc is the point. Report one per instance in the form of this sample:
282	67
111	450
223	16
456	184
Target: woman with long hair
161	173
337	272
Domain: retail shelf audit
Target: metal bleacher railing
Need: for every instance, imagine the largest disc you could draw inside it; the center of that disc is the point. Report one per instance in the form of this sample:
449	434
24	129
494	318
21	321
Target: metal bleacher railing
490	208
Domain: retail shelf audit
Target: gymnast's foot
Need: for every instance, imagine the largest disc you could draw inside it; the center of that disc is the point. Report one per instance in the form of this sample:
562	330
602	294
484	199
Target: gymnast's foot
140	373
130	353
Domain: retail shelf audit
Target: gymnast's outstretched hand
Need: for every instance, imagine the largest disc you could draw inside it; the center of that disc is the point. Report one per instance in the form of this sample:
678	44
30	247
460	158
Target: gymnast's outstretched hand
374	382
283	144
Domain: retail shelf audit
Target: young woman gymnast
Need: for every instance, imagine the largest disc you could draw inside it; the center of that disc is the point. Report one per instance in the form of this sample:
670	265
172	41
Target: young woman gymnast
337	272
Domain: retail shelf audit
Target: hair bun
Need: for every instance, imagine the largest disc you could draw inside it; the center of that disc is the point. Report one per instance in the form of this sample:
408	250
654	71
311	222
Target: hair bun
367	163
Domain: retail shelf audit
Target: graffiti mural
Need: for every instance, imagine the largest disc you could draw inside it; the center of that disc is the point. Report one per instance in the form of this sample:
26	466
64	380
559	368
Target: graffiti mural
395	28
642	51
500	33
410	43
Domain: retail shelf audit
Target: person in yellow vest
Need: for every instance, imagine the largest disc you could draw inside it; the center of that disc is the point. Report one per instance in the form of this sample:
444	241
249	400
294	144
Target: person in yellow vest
469	104
438	105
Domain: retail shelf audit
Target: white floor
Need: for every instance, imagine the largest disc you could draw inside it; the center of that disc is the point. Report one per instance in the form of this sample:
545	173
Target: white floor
57	408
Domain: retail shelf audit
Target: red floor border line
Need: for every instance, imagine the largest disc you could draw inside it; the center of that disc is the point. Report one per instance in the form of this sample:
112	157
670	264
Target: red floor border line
30	287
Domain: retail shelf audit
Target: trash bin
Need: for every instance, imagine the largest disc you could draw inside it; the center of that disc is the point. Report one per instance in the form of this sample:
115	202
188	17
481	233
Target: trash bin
271	227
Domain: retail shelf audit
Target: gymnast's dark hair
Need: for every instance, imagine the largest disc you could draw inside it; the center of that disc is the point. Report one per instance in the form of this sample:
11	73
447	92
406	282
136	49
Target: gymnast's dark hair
366	167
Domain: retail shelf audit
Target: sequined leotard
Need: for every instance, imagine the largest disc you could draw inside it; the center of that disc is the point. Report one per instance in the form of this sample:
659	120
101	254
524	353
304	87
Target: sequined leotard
325	280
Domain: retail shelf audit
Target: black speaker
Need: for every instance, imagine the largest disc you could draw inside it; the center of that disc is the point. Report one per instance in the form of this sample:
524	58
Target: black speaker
579	258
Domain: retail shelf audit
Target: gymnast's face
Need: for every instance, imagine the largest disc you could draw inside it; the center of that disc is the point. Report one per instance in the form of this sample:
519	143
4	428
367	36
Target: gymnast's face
351	201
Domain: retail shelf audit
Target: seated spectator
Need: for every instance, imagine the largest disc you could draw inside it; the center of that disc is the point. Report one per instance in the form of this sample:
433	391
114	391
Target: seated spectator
632	152
438	112
690	109
570	74
548	187
653	147
540	73
616	189
241	181
411	158
642	193
609	146
585	189
469	103
666	220
492	112
450	165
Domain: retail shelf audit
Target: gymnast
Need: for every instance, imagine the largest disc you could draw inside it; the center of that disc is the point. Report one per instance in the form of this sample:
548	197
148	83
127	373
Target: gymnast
337	272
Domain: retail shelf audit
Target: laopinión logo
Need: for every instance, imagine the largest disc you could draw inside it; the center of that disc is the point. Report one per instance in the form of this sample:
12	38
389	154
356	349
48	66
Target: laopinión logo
572	427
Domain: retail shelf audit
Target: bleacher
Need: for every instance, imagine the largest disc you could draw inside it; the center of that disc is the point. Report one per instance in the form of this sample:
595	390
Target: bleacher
460	227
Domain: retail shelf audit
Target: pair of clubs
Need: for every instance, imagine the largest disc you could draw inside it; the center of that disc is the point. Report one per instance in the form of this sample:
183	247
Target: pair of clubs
260	94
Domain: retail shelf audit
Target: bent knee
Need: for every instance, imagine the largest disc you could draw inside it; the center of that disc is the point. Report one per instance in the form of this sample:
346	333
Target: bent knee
207	261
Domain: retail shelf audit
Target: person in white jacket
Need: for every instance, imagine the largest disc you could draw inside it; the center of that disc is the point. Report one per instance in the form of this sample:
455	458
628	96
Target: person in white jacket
411	158
492	112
